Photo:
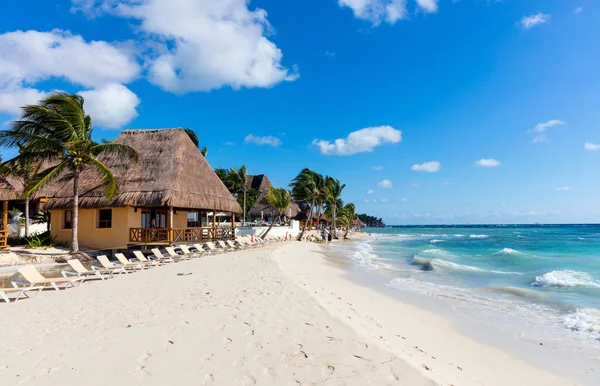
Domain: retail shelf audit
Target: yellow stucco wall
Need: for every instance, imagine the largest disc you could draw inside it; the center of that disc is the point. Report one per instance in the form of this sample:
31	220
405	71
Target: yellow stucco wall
90	236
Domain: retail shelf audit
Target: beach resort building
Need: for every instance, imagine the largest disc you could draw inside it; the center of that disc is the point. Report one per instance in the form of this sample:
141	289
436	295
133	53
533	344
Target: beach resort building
261	211
13	207
170	195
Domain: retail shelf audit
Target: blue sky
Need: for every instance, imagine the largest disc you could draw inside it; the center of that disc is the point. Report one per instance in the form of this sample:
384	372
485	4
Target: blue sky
448	82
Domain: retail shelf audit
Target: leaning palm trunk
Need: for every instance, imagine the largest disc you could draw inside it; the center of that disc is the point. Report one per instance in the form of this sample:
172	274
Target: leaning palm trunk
308	220
334	230
318	213
244	220
27	217
270	226
74	228
347	230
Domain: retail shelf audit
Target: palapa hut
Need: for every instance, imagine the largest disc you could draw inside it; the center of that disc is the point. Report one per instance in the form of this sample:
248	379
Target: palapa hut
161	199
11	195
261	211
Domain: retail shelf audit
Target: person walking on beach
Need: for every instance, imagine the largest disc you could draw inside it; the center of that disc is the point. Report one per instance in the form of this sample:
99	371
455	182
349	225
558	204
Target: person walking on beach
329	236
323	235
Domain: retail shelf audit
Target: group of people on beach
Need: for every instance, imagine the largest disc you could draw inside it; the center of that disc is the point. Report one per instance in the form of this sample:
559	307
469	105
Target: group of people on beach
326	235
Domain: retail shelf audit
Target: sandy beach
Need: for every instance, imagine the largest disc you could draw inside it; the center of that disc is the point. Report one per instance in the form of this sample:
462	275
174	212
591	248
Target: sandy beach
277	315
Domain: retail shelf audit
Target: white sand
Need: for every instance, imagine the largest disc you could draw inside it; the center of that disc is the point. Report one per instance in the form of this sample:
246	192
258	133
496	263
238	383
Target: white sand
235	320
426	340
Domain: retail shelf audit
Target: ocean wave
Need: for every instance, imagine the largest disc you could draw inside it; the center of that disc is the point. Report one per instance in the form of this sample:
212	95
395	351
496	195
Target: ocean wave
566	278
435	241
586	320
437	264
479	236
507	251
521	237
457	235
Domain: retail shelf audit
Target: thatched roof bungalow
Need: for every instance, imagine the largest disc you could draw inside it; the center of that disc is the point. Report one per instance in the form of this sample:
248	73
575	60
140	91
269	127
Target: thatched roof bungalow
261	211
164	197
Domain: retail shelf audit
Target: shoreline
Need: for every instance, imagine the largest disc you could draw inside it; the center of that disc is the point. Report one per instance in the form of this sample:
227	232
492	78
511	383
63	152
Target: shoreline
417	335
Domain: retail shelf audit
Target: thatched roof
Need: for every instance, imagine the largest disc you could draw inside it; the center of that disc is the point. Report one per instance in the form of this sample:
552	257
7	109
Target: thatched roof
12	188
268	211
170	171
259	182
7	190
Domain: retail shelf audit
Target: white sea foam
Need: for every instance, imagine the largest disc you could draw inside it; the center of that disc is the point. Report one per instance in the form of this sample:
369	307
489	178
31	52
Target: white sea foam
435	241
437	264
457	235
566	278
520	237
479	236
586	320
507	251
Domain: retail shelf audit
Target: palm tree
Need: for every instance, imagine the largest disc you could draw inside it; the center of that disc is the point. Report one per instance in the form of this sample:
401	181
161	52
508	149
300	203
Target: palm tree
58	132
240	176
279	199
334	191
194	137
305	188
348	214
25	169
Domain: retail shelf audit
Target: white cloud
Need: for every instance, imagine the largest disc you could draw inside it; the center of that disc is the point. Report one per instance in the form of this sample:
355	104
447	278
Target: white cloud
201	45
361	141
429	6
564	188
384	200
591	146
415	185
229	143
377	11
376	168
373	201
15	97
111	106
487	163
578	10
266	140
30	57
370	191
534	20
429	167
542	127
539	138
385	184
404	199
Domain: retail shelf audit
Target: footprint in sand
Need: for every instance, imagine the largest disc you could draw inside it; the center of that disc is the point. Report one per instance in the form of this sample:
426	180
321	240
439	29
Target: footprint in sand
209	379
247	379
255	346
328	370
238	362
270	372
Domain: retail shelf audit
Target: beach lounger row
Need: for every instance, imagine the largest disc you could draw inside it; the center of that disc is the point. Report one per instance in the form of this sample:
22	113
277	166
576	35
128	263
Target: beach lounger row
32	282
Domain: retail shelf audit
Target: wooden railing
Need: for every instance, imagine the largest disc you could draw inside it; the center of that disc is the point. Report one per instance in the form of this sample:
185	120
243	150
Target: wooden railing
185	235
3	237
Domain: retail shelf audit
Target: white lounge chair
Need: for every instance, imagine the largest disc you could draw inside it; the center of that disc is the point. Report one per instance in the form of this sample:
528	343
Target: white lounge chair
160	257
187	251
142	259
232	245
31	275
80	270
20	291
128	264
175	255
107	264
213	248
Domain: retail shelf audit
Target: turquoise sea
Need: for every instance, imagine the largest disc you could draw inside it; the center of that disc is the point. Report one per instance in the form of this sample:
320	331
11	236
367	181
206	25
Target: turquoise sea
539	282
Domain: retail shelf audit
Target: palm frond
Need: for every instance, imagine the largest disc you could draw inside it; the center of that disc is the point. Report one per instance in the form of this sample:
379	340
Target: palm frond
45	177
108	179
115	148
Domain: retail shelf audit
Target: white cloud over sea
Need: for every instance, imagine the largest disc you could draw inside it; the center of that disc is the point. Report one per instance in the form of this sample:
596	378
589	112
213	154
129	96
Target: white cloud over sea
264	140
487	163
531	21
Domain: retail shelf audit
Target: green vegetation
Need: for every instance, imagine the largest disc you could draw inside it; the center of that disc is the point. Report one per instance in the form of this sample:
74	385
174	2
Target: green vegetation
370	221
279	199
57	132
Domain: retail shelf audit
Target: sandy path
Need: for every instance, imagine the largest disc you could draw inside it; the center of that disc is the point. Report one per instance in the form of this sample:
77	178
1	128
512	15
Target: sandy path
236	320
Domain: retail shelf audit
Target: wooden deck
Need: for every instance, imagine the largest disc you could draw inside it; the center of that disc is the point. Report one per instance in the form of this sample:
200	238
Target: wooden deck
180	235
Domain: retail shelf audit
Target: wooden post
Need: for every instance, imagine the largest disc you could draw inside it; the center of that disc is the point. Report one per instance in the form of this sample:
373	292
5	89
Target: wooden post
233	226
214	224
170	224
4	215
